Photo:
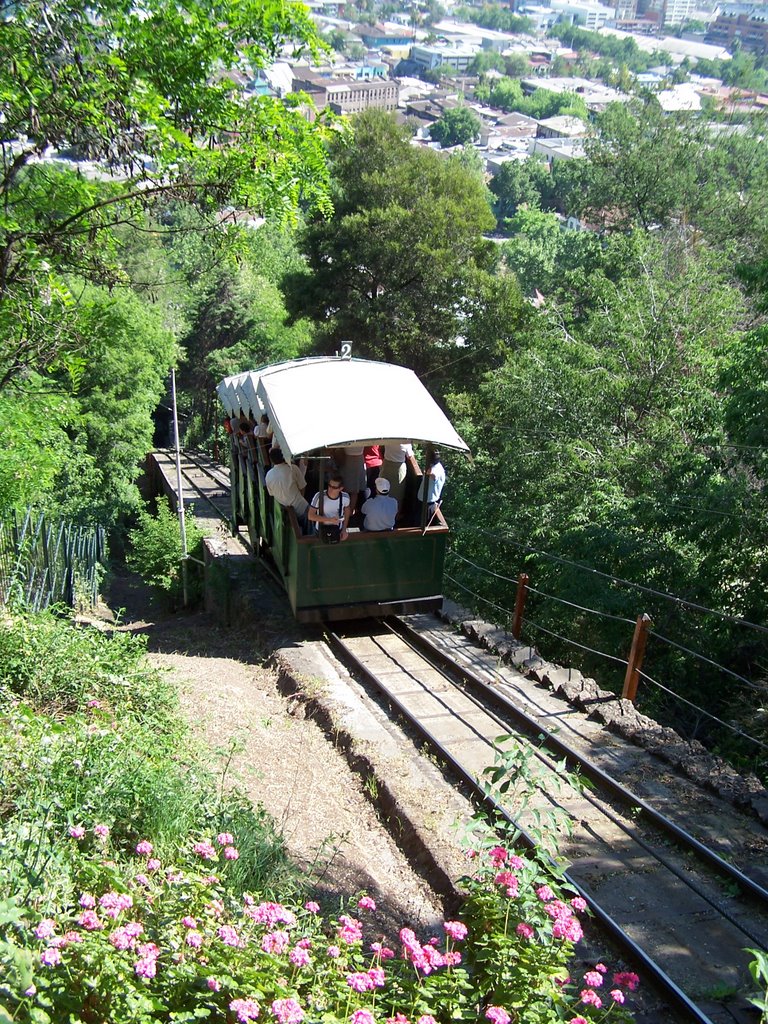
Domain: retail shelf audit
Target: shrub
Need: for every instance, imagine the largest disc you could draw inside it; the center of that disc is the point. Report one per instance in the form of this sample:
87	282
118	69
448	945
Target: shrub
156	553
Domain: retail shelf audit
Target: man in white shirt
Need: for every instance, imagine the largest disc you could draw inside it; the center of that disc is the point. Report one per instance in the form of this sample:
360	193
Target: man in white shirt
434	478
336	510
286	483
394	468
380	510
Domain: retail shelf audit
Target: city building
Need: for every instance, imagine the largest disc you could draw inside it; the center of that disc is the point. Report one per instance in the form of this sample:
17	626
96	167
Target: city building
747	23
427	58
346	97
587	15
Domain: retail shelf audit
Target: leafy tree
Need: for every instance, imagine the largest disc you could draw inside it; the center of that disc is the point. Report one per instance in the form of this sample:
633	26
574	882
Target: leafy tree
518	183
456	127
400	266
517	65
484	60
143	93
642	165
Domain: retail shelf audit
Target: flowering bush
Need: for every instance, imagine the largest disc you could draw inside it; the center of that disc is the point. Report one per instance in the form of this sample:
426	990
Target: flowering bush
156	941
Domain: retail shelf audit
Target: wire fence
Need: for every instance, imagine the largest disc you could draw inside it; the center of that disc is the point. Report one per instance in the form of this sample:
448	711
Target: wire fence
43	563
715	712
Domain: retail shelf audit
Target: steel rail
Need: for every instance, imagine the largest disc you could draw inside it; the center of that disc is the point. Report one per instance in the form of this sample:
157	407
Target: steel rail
197	488
635	952
575	759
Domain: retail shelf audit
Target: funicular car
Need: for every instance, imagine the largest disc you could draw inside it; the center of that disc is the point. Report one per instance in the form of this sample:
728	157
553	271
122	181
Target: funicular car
315	406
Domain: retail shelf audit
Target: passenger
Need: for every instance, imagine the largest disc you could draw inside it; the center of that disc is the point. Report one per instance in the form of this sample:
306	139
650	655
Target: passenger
434	477
245	438
353	472
380	510
286	483
394	469
333	524
264	437
372	457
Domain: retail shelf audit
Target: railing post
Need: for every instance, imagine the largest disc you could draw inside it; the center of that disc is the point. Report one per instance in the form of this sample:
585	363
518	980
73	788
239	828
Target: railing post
522	593
636	655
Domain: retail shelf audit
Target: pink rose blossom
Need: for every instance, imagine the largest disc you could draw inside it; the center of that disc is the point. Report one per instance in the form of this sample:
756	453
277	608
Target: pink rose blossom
50	957
246	1009
225	839
231	853
213	984
524	930
589	996
77	831
366	903
456	929
101	831
312	907
617	996
287	1011
497	1015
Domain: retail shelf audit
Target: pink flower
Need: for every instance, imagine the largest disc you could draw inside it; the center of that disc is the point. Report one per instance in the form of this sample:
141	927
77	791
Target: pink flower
359	981
524	930
144	848
617	995
385	953
299	956
333	952
50	957
194	939
153	864
626	978
312	907
362	1017
593	978
589	996
271	914
89	920
366	903
70	937
101	832
305	943
400	1018
351	931
377	976
570	930
275	942
205	850
142	880
113	903
426	1018
602	968
287	1011
215	907
456	930
225	839
213	984
579	904
87	901
146	967
515	862
125	937
189	922
231	853
545	893
578	1020
497	1015
498	856
77	831
452	959
229	936
45	929
31	991
246	1009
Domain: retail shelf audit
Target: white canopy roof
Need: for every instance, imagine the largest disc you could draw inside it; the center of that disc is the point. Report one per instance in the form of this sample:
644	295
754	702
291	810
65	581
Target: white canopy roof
328	402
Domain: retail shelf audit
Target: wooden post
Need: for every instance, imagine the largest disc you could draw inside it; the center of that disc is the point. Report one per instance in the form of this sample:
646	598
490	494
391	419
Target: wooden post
522	593
636	655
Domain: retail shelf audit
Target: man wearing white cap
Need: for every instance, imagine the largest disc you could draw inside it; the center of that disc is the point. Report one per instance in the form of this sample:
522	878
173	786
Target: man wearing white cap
380	509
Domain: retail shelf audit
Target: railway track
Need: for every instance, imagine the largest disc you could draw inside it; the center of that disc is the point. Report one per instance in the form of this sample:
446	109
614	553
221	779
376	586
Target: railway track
203	480
668	871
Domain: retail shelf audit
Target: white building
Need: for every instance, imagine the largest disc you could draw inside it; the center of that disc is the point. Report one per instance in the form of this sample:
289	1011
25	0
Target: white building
591	16
430	57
